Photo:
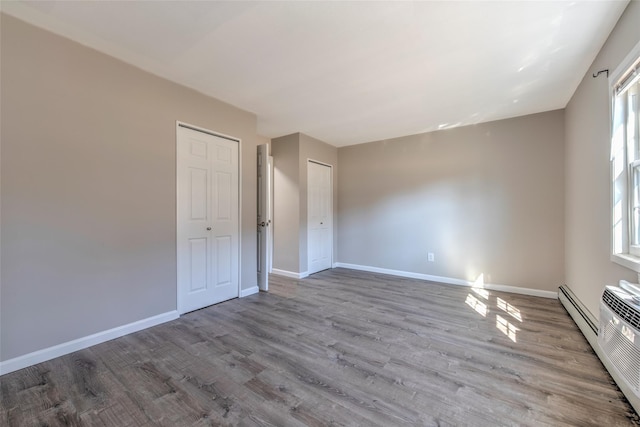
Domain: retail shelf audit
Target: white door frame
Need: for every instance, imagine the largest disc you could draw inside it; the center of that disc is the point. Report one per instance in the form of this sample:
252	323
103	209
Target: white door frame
264	226
179	124
309	160
270	231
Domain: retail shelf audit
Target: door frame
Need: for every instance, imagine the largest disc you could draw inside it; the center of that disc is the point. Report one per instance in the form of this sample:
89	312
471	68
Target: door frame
264	257
270	235
310	160
179	124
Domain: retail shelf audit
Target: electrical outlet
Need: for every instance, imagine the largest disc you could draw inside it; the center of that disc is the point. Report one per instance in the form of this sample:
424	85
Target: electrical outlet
431	257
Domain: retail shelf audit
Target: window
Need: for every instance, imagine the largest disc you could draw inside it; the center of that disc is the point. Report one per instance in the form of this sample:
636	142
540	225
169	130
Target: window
625	162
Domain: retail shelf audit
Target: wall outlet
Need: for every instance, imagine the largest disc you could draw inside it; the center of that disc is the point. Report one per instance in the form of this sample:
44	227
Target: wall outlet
431	257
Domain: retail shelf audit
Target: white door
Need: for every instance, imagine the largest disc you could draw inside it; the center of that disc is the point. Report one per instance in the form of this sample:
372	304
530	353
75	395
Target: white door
319	217
264	220
207	219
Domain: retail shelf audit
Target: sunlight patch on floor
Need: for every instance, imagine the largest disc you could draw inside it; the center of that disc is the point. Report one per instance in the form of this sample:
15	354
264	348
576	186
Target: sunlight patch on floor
482	308
477	305
478	287
509	309
506	327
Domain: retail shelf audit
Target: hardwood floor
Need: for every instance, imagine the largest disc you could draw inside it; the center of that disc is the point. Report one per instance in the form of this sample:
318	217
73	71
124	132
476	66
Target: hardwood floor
339	348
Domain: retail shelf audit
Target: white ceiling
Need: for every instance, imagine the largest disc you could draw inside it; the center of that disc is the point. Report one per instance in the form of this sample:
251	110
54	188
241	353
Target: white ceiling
351	72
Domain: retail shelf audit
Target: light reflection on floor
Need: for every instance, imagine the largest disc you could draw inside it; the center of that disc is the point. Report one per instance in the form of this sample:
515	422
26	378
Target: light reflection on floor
506	327
478	287
482	292
477	305
502	323
509	309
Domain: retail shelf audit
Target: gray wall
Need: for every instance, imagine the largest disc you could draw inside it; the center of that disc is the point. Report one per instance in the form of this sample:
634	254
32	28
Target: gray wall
88	189
588	188
485	199
290	158
286	202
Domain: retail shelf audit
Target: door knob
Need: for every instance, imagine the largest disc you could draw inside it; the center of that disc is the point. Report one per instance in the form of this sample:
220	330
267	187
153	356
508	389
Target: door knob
208	228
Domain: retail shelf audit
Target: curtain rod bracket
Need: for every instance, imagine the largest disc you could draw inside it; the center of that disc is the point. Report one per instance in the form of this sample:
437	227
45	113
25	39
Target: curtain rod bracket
600	72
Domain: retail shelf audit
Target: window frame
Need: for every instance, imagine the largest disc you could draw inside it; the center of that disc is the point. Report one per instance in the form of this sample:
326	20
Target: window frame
624	250
633	196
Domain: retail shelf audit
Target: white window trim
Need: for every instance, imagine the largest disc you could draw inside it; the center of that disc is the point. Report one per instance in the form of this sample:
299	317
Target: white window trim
624	258
634	249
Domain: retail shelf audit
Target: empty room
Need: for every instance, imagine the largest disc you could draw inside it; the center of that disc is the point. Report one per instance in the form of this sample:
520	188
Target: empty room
314	213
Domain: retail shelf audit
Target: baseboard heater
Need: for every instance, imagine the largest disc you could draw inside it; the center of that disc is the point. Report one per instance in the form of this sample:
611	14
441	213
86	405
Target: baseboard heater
615	339
566	295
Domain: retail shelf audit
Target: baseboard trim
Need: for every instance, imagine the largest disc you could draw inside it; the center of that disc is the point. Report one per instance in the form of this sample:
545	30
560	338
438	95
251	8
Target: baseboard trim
250	291
45	354
290	274
450	281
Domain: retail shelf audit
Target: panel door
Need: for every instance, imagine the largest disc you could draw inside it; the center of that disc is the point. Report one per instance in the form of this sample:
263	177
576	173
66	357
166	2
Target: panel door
319	217
207	219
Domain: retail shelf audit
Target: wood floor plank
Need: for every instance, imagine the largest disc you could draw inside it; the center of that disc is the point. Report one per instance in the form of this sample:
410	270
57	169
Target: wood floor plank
341	347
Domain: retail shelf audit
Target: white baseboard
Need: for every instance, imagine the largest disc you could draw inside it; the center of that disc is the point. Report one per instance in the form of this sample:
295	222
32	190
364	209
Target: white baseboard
290	274
450	281
250	291
45	354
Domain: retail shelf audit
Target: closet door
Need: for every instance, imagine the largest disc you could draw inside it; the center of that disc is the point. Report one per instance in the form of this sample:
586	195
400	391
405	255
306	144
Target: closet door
319	217
207	219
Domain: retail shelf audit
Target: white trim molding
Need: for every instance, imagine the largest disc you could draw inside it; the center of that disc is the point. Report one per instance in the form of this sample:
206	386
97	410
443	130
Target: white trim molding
45	354
451	281
250	291
290	274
